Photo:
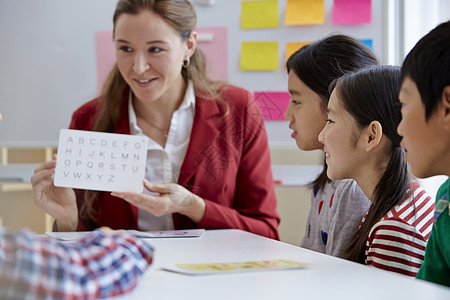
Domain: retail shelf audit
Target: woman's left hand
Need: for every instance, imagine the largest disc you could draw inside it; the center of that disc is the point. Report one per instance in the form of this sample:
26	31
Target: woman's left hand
173	198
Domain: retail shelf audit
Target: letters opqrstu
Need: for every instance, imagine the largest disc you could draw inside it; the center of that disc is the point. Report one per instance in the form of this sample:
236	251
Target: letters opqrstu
101	161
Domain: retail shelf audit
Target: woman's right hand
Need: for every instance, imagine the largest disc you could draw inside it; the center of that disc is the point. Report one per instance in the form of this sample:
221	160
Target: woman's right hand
58	202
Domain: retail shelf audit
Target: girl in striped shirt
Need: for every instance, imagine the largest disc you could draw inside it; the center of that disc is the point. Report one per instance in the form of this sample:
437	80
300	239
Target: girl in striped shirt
361	142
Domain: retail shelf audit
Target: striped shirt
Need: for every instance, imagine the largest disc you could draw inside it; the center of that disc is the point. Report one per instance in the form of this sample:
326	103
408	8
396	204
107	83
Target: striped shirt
99	266
397	242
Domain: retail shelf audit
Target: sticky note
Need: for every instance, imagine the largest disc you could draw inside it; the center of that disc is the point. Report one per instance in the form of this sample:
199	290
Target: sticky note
304	12
368	43
352	11
101	161
292	47
272	104
259	56
259	14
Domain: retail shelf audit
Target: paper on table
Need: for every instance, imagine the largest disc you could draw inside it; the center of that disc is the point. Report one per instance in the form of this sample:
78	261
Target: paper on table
226	267
78	235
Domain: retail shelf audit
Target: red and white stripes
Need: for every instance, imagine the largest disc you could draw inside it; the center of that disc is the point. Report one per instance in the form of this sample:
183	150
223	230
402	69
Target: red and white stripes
397	242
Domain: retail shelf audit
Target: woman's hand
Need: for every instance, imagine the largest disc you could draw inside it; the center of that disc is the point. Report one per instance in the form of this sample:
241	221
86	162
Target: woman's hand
58	202
173	198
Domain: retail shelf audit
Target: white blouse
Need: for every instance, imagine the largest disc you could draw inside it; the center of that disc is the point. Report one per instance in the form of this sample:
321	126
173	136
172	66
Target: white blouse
164	164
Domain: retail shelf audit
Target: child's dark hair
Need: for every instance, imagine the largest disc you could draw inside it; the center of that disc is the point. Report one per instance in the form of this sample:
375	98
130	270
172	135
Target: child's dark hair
325	60
428	65
372	95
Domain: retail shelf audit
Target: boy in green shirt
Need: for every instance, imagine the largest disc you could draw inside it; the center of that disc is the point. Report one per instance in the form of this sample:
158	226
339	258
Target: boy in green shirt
425	128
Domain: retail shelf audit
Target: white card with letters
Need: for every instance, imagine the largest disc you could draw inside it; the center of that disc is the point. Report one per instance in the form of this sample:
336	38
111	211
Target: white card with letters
101	161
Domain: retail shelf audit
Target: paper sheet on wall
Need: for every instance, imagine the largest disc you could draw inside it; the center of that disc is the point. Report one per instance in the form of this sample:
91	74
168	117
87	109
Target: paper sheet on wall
304	12
229	267
215	50
368	43
106	56
352	11
272	104
259	14
101	161
292	47
259	56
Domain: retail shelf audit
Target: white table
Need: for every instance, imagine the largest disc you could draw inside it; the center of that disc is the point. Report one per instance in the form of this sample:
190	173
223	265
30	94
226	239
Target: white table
329	278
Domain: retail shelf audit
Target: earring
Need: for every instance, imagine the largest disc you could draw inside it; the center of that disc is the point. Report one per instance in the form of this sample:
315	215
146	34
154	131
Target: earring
186	62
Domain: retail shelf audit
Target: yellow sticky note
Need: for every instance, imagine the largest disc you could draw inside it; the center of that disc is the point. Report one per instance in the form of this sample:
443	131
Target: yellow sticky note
259	14
291	47
259	56
303	12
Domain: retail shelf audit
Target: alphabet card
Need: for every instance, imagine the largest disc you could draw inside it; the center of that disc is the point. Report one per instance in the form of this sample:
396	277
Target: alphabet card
101	161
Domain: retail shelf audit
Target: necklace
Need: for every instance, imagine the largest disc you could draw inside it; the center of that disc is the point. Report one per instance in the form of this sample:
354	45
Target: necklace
165	132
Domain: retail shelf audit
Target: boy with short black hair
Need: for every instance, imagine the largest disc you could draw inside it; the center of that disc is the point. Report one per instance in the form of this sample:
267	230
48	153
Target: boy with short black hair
425	128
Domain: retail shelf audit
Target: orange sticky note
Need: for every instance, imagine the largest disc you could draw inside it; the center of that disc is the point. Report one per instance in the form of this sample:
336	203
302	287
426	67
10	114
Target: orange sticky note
304	12
292	47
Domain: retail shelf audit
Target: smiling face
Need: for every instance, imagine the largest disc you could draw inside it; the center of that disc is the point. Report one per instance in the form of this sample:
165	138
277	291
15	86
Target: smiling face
425	142
340	139
150	54
306	113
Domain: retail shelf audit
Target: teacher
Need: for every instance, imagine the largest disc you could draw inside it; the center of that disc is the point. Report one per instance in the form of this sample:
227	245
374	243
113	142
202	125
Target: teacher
208	162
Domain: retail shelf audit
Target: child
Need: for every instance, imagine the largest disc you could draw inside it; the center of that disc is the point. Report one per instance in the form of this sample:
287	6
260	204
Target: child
104	264
425	127
361	142
336	207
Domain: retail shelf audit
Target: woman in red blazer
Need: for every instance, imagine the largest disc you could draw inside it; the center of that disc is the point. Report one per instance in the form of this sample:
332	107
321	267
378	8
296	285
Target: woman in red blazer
220	171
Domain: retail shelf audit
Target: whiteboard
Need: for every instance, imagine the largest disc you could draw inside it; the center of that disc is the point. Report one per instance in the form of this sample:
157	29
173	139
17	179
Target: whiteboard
48	60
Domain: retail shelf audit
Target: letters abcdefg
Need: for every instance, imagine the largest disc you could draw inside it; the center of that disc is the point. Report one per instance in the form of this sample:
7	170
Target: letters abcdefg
101	161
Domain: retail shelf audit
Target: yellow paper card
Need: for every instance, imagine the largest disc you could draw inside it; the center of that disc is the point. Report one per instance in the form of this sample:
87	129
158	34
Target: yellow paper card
245	266
259	56
291	47
304	12
259	14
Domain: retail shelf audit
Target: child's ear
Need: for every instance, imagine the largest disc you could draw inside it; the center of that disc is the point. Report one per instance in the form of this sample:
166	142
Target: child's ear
372	135
446	106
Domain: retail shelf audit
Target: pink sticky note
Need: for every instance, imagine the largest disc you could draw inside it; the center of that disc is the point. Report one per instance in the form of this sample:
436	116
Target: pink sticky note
272	104
213	41
352	11
106	56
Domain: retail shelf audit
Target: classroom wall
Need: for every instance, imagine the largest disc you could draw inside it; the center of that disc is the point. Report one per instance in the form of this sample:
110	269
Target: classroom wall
49	66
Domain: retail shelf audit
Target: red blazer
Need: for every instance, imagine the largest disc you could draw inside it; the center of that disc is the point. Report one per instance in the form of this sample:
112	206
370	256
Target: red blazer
227	163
